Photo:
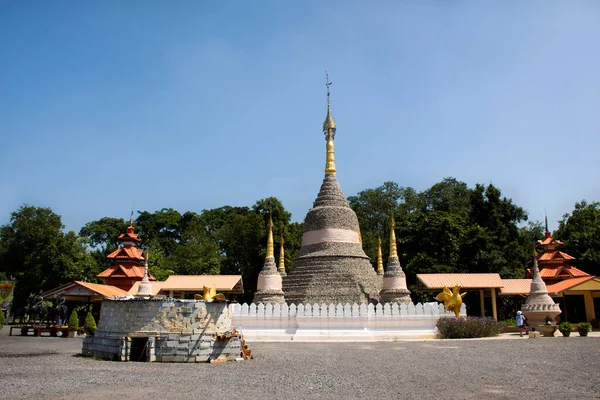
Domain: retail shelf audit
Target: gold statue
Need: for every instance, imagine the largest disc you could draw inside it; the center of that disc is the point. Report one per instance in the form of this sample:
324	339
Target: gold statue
210	294
452	299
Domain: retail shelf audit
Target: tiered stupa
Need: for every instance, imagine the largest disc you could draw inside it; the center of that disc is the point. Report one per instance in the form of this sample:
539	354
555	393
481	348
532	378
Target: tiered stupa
127	267
281	267
331	266
145	288
539	305
394	280
268	287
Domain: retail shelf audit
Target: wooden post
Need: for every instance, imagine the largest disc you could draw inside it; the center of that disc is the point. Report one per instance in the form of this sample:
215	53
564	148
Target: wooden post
482	299
589	306
494	311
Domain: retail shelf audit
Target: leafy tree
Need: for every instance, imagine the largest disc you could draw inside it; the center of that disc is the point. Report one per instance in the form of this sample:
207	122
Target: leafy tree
73	320
34	249
103	234
580	231
89	323
163	226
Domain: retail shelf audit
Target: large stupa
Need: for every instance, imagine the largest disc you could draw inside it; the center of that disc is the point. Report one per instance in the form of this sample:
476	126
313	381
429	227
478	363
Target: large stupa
331	266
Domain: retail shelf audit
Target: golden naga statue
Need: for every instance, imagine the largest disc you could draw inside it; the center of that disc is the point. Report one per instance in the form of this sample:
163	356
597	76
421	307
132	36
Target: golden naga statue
452	299
210	294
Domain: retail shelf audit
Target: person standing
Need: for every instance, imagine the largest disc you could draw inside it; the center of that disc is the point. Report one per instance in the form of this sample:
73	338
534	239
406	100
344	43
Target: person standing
521	322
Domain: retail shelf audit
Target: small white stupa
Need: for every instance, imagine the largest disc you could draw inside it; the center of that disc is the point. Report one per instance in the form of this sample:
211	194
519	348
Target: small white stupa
539	305
394	289
268	287
145	288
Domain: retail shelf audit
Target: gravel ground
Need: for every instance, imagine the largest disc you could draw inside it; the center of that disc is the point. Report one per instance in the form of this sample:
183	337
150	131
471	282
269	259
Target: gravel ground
505	368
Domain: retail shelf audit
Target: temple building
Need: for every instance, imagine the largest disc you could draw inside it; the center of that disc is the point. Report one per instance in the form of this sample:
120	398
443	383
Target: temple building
127	267
331	266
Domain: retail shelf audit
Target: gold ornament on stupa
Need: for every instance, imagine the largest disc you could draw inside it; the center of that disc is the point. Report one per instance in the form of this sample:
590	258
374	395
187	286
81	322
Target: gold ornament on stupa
281	267
270	245
329	129
379	256
393	247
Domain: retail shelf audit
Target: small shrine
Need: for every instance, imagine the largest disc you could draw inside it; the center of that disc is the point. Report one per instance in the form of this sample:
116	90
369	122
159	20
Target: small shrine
539	309
268	287
394	289
127	267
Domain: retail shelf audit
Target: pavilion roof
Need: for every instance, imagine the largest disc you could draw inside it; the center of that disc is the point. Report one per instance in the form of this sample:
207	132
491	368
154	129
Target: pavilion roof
195	283
554	255
568	284
558	272
514	287
465	281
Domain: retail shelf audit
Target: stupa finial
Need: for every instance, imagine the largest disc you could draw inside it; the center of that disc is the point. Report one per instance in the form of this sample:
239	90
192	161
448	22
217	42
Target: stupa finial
270	250
393	248
379	256
546	220
281	267
329	129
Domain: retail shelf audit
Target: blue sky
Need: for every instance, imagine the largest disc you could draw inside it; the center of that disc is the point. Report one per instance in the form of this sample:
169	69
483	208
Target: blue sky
195	105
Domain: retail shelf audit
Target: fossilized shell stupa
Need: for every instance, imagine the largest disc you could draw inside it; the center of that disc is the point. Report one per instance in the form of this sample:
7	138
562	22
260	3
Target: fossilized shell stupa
331	266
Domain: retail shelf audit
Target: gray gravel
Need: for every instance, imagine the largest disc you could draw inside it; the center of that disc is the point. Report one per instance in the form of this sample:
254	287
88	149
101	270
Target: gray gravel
549	368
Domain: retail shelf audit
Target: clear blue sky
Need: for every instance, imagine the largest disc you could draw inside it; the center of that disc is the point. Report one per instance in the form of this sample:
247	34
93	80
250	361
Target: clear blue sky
195	105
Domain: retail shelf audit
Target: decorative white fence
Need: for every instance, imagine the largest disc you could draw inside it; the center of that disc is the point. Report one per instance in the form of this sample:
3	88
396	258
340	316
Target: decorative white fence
275	322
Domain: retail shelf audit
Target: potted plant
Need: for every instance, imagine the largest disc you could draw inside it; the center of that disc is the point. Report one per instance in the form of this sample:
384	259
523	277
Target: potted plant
73	324
583	328
565	328
89	324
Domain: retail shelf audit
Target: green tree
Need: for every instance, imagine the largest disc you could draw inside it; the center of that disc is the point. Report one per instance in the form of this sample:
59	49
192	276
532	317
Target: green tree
580	232
164	227
103	234
34	249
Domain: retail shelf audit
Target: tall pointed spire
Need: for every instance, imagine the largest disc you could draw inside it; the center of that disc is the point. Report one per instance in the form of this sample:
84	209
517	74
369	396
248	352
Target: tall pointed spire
329	129
393	246
270	246
281	268
268	285
546	221
379	256
394	289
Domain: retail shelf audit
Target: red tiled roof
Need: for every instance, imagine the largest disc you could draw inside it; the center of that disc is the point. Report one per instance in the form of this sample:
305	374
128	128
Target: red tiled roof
195	283
130	235
559	271
124	271
465	281
554	255
127	252
567	284
548	239
104	290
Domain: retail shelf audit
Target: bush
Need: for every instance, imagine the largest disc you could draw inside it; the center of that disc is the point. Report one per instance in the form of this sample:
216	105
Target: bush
584	326
73	320
2	319
90	324
565	327
466	328
509	322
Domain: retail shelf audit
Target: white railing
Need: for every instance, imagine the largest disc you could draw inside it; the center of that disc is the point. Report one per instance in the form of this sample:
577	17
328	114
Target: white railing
280	322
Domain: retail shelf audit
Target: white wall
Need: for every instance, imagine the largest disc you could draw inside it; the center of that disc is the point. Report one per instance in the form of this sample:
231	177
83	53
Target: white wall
307	322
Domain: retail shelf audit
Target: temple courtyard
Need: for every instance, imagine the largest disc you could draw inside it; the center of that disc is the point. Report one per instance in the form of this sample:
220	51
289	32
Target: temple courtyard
506	367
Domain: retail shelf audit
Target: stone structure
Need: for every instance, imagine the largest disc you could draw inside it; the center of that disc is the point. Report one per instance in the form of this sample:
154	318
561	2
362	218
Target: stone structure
145	288
281	267
127	267
268	287
539	305
164	330
394	288
331	266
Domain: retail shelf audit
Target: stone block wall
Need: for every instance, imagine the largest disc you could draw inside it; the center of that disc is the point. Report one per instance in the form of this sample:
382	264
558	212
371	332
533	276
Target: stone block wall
168	330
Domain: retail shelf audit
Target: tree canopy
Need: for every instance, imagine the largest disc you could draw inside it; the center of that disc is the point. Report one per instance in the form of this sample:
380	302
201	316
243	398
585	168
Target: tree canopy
448	227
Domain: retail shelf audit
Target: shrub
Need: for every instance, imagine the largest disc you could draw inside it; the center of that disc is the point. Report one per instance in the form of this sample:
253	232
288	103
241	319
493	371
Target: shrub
509	322
584	326
565	327
73	320
90	324
466	328
2	319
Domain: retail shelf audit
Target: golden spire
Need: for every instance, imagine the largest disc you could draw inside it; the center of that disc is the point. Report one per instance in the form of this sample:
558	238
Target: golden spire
393	249
329	130
270	252
281	256
379	256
